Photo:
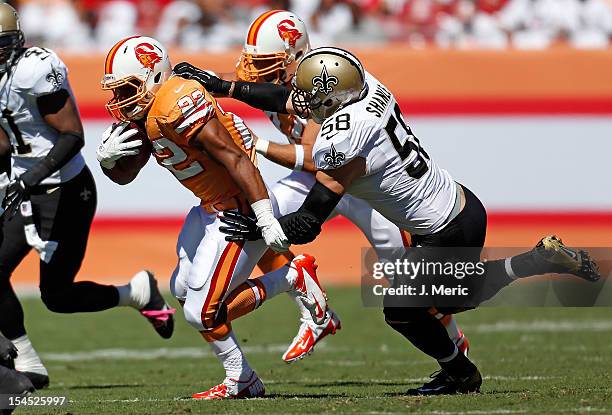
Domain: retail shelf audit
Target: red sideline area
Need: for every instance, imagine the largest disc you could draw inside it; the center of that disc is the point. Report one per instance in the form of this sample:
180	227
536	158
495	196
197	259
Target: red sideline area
525	218
443	107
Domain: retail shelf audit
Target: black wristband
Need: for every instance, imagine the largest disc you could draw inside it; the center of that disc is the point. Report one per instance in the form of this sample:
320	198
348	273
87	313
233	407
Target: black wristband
67	146
320	202
264	96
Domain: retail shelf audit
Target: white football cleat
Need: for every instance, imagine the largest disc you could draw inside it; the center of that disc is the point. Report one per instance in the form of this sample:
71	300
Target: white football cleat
308	288
309	335
253	387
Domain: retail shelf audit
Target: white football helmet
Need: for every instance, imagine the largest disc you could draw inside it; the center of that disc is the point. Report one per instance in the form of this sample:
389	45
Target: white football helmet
275	40
135	69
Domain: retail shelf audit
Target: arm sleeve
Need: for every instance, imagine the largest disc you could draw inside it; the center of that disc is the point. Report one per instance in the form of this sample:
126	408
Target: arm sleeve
265	96
68	145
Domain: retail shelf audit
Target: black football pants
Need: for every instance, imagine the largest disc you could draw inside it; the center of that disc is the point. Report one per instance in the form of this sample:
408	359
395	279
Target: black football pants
418	324
61	213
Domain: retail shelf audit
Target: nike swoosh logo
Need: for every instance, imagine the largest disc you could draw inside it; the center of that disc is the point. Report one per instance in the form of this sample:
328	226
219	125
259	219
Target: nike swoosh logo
53	189
329	137
179	89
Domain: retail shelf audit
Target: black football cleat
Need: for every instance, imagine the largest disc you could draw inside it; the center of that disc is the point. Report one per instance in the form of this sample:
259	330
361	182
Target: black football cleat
38	380
564	260
158	312
443	383
14	383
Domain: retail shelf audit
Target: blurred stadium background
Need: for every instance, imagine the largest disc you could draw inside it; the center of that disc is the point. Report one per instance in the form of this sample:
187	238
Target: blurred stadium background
513	97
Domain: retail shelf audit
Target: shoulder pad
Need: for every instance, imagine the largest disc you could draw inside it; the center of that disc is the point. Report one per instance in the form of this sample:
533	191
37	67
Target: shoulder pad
40	72
341	139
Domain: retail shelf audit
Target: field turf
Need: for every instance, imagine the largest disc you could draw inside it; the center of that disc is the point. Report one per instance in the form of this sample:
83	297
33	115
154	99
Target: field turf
534	361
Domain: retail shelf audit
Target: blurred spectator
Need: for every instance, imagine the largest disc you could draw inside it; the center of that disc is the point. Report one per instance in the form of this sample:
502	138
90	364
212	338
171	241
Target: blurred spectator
217	24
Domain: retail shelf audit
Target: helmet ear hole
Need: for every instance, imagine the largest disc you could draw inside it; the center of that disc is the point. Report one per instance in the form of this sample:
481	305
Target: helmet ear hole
328	103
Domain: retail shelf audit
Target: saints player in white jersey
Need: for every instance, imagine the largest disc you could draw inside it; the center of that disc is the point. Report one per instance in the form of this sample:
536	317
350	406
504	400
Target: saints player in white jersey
51	201
366	149
275	42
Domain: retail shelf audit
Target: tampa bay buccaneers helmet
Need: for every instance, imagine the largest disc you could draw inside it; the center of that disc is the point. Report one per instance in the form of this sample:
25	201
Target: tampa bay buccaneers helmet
276	40
11	36
327	80
134	70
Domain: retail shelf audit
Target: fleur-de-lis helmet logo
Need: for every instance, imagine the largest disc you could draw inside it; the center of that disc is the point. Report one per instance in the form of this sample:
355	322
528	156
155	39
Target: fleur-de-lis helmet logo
324	81
334	158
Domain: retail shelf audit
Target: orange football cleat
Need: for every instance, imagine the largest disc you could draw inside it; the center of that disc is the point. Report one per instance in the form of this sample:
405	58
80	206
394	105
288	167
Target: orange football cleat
234	389
308	287
309	335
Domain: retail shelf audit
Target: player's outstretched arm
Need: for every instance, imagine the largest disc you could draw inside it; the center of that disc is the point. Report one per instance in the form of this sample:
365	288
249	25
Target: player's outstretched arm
218	144
263	96
292	156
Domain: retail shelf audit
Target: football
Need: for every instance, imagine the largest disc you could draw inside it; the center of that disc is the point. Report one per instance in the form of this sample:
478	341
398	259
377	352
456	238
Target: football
137	161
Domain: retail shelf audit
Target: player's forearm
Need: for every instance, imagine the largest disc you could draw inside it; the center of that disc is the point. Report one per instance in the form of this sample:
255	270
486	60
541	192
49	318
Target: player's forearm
247	177
293	156
68	145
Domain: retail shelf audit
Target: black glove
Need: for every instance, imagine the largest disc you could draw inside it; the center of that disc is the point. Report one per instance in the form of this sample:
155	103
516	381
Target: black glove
8	351
15	194
212	83
240	227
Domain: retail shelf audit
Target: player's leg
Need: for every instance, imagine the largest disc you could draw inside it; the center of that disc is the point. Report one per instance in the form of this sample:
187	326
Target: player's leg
12	251
289	194
65	216
208	269
420	326
386	238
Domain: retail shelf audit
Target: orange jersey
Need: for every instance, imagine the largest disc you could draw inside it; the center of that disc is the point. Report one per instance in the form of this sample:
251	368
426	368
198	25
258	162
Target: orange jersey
181	107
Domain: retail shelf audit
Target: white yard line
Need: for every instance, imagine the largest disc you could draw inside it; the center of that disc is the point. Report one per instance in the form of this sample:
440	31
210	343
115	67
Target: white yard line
540	326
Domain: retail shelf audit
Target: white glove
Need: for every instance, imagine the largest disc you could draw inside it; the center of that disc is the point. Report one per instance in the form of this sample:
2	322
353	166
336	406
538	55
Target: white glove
271	230
113	145
45	249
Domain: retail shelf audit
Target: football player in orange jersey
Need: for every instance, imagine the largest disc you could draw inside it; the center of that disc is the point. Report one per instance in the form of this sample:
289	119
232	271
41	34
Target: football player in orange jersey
275	42
211	153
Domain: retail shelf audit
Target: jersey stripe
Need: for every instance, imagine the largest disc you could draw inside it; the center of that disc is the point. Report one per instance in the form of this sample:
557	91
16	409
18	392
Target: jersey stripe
254	30
108	65
201	114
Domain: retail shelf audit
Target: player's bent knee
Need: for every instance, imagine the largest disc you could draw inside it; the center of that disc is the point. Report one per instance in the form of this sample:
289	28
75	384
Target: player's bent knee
57	301
194	318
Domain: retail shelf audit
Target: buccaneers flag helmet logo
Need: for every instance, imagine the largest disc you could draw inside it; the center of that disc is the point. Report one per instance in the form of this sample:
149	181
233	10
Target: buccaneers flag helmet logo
146	55
288	32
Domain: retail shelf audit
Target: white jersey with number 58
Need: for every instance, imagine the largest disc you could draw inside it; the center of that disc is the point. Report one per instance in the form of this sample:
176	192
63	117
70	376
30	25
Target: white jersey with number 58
37	72
401	182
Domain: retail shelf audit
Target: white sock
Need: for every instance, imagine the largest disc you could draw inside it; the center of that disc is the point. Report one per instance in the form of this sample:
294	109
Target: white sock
27	358
229	353
278	281
136	293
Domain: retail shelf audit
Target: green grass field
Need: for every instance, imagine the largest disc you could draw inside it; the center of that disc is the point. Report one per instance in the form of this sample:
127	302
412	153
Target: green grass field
534	361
